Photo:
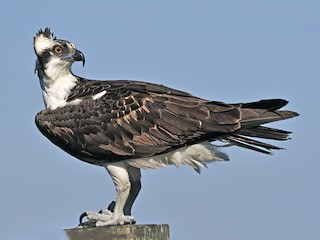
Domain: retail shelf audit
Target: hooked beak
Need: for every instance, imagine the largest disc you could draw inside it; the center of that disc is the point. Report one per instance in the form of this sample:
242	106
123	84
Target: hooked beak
78	56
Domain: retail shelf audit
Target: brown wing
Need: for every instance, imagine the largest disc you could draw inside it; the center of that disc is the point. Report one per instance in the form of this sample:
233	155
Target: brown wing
133	120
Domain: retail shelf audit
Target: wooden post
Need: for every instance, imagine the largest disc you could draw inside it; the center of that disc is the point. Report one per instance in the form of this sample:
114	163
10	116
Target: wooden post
121	232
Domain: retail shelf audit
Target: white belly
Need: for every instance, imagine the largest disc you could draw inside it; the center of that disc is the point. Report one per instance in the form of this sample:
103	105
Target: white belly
196	156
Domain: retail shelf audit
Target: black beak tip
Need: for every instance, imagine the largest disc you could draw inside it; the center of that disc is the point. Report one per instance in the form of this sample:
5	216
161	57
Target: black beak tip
83	61
78	56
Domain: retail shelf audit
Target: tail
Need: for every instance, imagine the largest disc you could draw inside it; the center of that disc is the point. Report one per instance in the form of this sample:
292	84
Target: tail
255	114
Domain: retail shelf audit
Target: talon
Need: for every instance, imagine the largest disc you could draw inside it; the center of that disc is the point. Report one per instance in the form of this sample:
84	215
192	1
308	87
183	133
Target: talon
91	221
105	218
82	216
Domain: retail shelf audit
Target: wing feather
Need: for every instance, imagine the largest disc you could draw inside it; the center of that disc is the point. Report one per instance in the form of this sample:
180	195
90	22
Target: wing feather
133	119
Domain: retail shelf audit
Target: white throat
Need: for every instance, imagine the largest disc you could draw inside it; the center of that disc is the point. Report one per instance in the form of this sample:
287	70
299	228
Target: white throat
56	82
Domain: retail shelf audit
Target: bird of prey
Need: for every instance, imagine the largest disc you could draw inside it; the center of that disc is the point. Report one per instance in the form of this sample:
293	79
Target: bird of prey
126	125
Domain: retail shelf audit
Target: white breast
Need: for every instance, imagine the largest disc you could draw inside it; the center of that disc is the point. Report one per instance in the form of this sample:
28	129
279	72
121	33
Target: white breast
55	93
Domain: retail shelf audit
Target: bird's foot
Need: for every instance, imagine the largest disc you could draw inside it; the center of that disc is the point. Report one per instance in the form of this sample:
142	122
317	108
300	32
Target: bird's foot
105	218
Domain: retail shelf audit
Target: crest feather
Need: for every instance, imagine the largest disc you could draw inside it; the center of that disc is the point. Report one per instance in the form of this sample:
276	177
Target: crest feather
46	33
43	40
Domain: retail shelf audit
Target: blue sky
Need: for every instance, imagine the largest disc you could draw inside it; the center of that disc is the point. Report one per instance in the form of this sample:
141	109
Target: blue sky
232	51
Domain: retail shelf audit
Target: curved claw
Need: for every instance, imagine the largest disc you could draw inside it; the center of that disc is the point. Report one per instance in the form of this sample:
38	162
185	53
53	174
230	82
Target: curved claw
82	216
87	223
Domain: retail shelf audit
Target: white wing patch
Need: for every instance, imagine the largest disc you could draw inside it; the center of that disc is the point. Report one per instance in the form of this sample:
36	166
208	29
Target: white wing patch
195	156
99	95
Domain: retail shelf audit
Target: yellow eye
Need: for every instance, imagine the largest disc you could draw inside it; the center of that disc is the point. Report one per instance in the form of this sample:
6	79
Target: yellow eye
57	49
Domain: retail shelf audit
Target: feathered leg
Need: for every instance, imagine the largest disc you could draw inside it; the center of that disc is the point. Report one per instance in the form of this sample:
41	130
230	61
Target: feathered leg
120	175
135	180
135	177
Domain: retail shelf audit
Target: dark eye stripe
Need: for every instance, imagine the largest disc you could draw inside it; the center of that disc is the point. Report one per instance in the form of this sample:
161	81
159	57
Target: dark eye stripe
46	55
63	44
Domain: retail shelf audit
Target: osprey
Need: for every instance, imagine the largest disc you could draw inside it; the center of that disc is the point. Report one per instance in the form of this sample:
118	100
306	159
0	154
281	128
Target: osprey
126	126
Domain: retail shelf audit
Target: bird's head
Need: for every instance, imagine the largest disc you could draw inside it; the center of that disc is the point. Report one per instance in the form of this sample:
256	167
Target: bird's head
54	55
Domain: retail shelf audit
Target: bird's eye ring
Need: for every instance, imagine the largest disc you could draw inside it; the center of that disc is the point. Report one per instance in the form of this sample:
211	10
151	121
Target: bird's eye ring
57	49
